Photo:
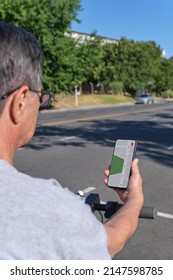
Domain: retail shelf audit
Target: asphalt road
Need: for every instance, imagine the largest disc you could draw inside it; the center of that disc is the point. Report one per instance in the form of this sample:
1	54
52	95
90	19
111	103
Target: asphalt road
76	146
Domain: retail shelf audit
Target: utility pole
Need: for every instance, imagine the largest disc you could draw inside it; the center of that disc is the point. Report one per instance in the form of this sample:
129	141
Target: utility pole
77	93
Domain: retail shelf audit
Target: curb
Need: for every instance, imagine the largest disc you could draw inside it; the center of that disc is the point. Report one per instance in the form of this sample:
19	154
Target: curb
89	107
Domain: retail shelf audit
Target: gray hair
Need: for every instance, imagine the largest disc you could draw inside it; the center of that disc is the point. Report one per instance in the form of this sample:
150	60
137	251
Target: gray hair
21	59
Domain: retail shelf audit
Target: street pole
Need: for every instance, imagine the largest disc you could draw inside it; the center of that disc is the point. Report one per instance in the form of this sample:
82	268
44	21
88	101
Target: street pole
76	97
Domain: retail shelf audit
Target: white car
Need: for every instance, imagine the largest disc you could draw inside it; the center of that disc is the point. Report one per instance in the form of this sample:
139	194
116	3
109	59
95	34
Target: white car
145	99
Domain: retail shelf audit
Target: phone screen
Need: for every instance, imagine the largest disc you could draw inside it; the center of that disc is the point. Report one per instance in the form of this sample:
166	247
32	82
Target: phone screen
124	153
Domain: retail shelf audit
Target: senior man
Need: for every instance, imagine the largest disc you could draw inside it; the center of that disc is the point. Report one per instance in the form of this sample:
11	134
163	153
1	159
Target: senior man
39	218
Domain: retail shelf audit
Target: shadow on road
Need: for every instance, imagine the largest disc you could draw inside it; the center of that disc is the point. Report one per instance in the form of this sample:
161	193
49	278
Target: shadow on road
153	138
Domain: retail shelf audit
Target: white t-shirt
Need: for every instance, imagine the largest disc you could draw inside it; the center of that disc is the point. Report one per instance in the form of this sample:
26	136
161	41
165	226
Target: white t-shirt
41	220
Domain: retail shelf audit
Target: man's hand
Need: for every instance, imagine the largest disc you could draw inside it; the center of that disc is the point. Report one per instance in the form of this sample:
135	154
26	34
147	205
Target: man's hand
123	223
134	188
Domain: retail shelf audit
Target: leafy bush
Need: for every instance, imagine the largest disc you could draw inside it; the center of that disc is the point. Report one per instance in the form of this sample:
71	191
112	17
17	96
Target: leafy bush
167	94
116	87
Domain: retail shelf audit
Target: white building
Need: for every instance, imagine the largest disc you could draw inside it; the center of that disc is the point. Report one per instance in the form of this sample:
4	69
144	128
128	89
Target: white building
82	37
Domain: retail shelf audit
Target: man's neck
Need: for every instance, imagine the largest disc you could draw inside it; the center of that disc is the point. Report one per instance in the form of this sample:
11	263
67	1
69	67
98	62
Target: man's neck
7	144
6	156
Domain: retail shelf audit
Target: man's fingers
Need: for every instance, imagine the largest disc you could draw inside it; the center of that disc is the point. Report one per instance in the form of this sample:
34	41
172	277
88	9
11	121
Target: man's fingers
135	168
107	172
105	181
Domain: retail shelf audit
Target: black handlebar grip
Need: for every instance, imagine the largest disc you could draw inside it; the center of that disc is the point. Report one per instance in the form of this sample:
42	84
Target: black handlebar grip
111	207
148	212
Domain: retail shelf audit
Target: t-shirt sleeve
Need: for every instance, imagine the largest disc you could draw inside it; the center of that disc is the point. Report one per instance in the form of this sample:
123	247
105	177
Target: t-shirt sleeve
83	236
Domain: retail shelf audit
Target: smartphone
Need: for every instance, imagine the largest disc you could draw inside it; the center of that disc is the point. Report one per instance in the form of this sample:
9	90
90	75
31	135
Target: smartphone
124	153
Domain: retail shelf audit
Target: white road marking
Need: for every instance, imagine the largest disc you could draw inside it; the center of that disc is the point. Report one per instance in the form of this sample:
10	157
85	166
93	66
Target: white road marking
67	138
170	148
165	215
154	119
89	189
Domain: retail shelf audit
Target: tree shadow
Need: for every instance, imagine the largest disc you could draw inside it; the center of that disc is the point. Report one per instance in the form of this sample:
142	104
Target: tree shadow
153	138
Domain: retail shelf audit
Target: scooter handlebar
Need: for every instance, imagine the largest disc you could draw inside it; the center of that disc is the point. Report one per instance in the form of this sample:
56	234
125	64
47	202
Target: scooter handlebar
111	207
148	212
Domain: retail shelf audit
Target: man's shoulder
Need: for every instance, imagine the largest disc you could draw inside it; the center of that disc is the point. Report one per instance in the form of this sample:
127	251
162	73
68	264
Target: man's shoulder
37	190
11	178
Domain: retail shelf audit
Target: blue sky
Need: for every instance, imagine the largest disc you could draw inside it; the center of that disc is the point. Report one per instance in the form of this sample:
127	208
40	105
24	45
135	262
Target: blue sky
139	20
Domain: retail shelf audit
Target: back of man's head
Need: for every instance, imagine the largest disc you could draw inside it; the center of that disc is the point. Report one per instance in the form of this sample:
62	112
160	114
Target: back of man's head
21	59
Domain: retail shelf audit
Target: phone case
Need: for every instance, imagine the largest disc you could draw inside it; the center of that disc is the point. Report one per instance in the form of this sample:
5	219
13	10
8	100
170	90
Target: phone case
124	153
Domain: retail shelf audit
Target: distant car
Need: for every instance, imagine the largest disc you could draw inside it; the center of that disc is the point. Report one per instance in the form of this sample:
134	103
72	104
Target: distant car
145	99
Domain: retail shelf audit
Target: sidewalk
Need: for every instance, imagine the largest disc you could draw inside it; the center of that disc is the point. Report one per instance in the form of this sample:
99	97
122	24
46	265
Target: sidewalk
88	107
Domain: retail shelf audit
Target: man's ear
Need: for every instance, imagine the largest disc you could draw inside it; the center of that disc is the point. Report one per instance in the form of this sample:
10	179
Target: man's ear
18	103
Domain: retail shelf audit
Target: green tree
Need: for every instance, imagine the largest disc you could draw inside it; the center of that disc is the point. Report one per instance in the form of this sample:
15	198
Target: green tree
89	60
133	64
48	20
164	81
109	73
